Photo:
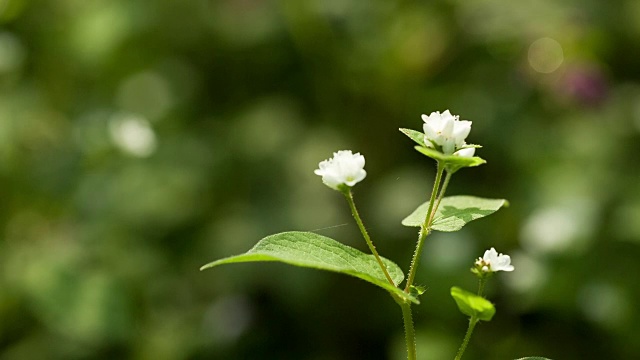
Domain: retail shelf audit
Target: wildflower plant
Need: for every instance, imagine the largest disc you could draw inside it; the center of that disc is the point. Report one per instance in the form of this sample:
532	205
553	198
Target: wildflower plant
443	140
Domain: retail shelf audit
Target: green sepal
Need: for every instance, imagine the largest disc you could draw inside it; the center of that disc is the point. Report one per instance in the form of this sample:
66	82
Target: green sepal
417	290
473	305
455	211
306	249
452	163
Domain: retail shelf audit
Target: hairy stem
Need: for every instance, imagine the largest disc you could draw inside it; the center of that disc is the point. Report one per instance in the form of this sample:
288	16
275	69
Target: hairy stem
409	331
481	283
472	324
424	229
354	211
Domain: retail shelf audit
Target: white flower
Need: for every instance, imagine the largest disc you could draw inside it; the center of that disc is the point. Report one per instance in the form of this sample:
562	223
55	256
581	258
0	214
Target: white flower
467	152
492	262
446	131
344	168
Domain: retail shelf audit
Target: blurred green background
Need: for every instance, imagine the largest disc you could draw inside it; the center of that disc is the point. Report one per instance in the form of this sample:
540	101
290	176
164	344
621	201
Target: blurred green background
140	140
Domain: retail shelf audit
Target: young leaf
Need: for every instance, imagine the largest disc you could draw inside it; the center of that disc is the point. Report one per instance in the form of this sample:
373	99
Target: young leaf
455	211
473	305
452	163
414	135
311	250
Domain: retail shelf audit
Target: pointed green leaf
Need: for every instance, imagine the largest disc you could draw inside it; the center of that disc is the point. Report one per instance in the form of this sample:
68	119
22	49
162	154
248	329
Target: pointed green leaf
452	163
455	211
414	135
418	290
473	305
311	250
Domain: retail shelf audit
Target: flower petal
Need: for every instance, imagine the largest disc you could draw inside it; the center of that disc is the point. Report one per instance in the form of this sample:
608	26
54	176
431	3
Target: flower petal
467	152
461	131
445	131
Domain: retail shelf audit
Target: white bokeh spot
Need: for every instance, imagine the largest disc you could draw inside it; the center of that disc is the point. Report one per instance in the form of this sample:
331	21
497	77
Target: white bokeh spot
545	55
133	135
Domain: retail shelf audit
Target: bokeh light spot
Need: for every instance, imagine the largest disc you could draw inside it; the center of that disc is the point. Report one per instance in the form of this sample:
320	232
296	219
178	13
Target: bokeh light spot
133	135
603	303
11	53
545	55
228	318
530	274
558	229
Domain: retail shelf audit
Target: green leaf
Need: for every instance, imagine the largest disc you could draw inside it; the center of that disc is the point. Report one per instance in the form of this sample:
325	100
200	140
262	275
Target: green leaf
452	163
311	250
455	211
473	305
418	290
416	136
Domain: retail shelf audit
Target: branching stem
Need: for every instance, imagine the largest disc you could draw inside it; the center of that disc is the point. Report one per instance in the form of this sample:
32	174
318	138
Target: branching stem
443	190
425	228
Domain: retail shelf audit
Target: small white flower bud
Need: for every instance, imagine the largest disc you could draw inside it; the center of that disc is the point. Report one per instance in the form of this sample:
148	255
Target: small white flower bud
344	168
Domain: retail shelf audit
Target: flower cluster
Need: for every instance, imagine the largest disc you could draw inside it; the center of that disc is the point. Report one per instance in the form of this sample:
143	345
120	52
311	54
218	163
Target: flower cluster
447	133
443	140
492	262
343	169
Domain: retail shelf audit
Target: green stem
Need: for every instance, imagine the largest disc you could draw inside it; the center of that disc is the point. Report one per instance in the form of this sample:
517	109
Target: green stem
409	331
481	283
440	196
349	196
472	324
424	229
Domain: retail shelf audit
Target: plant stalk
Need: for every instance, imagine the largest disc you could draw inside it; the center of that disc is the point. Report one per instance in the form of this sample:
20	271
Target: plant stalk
440	196
472	324
425	229
481	283
354	211
409	331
